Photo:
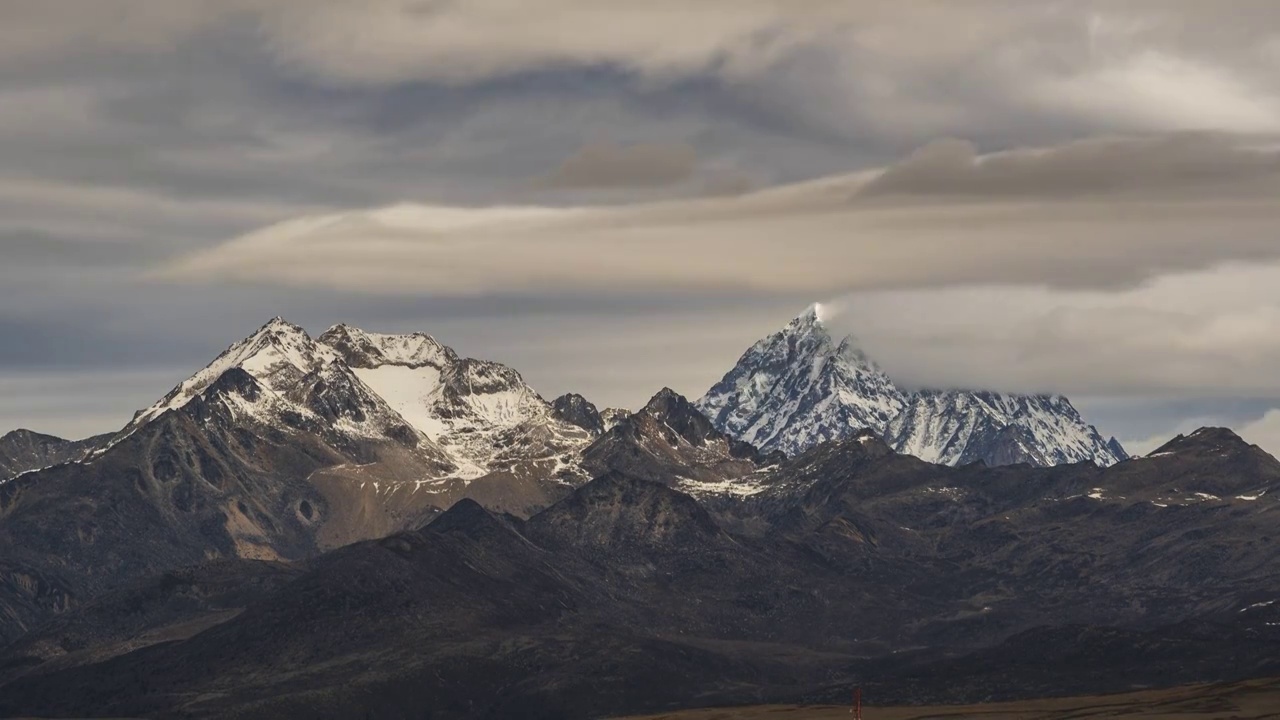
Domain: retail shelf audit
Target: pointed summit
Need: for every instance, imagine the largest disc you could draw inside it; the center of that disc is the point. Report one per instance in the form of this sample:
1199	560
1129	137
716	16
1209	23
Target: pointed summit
665	402
1117	449
800	386
577	410
674	411
279	324
670	441
469	518
277	355
812	317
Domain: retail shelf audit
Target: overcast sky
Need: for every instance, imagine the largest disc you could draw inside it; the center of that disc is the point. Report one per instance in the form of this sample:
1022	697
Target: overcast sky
1076	197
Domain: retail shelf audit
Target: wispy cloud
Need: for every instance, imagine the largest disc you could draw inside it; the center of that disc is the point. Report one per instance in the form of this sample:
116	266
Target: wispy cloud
1053	217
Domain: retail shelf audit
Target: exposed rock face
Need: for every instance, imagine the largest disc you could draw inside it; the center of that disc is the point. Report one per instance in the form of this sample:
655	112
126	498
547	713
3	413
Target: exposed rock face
577	410
954	428
23	451
282	447
800	387
369	525
482	414
917	581
612	416
615	511
669	441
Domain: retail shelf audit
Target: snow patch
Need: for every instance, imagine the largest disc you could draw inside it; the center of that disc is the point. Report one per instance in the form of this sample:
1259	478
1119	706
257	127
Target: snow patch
408	391
737	488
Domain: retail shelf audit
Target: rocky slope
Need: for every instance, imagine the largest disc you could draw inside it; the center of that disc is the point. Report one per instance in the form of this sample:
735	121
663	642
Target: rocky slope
670	442
285	446
282	447
271	540
801	386
921	581
23	451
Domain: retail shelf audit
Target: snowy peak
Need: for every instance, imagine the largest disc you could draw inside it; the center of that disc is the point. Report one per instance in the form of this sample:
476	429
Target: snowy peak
808	321
483	414
350	386
278	355
800	386
487	393
361	349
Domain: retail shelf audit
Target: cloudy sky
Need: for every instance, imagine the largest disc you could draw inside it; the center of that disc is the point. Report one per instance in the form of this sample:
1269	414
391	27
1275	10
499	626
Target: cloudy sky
1076	197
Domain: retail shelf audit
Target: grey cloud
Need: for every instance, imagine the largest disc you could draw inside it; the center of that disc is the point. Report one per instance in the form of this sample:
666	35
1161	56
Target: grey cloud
953	167
25	250
909	73
1139	421
822	236
1264	432
608	165
158	129
729	184
255	99
77	404
1208	334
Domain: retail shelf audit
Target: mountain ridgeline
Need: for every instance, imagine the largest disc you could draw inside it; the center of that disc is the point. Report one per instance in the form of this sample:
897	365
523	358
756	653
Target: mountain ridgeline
365	525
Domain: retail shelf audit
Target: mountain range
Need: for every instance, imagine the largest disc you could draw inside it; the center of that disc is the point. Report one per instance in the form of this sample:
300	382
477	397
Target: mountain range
368	525
285	446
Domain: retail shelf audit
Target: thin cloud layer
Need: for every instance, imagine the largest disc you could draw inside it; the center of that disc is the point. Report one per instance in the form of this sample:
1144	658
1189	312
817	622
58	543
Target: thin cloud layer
1031	218
1190	161
1212	333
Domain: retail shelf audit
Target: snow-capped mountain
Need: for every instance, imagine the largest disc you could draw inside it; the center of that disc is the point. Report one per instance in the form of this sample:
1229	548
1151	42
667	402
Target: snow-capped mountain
799	387
802	386
475	409
279	377
471	416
